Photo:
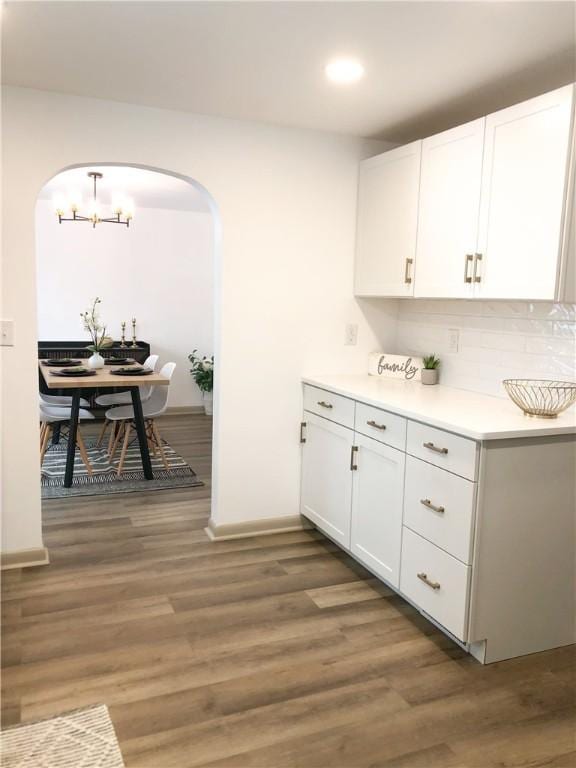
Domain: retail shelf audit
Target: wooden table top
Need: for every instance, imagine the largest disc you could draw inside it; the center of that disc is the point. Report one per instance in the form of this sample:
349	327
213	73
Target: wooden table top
103	378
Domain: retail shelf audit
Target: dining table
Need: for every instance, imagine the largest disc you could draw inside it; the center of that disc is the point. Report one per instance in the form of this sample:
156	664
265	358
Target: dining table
103	378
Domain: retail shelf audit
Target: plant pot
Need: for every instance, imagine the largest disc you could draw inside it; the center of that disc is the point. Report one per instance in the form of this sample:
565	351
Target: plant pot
96	361
429	376
207	398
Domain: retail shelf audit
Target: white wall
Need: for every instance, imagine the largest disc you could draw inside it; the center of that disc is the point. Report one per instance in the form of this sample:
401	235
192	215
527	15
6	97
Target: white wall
498	340
158	271
286	200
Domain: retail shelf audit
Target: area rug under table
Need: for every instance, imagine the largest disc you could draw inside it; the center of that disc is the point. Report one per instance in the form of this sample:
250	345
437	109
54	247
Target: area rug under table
81	739
105	479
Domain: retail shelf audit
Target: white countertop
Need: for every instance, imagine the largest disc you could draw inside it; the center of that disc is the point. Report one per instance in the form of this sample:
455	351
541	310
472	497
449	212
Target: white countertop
474	415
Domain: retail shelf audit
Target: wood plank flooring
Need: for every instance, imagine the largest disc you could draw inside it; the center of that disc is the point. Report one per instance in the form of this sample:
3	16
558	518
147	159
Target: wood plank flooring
272	652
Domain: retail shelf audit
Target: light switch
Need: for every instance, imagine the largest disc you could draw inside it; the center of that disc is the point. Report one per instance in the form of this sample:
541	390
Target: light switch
6	333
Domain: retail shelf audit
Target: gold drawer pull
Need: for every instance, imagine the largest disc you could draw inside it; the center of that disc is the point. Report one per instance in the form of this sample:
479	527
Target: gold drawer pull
353	452
432	447
477	276
468	258
428	503
433	584
375	424
324	404
407	278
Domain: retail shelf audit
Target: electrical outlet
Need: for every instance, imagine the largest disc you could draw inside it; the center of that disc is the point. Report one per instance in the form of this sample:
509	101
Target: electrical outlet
351	335
453	339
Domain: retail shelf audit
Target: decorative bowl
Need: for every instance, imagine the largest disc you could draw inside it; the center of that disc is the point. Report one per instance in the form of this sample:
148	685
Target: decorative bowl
541	397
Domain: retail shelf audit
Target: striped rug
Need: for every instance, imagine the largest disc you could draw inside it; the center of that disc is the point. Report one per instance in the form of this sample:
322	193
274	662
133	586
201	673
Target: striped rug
104	479
81	739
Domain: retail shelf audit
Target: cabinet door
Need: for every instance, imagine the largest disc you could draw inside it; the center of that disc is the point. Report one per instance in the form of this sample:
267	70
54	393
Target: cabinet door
387	222
523	193
326	493
376	529
448	211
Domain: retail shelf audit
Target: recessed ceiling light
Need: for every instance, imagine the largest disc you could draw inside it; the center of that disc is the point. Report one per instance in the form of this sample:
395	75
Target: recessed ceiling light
344	70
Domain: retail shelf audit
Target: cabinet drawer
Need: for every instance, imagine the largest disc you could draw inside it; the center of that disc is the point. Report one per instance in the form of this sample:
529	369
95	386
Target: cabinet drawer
334	407
439	506
381	425
452	452
436	582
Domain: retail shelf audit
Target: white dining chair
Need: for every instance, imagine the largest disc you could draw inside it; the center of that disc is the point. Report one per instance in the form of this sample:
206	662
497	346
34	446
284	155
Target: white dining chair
155	406
125	398
50	415
61	401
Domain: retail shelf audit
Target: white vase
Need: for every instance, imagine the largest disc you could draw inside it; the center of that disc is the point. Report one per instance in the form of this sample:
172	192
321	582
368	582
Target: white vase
96	361
207	398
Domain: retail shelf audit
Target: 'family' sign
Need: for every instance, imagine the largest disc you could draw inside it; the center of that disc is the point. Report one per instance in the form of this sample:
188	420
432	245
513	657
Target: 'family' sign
395	366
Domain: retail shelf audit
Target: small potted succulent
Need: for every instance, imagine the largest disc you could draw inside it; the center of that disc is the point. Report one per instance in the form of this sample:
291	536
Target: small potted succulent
430	370
203	373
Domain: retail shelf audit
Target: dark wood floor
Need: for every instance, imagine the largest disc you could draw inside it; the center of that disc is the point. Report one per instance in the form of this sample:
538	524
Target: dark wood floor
263	653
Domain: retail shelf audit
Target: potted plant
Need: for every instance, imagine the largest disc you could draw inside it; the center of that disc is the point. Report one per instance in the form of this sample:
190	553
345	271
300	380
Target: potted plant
203	373
97	331
430	369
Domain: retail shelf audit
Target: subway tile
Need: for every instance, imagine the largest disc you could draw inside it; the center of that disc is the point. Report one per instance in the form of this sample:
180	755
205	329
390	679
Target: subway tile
549	345
505	341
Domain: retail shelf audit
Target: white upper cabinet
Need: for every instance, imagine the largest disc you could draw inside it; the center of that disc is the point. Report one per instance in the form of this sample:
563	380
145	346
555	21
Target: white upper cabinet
526	153
483	210
448	213
387	221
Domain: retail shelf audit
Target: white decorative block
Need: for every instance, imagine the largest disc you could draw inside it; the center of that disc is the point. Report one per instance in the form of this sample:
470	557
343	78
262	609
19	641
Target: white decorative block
395	366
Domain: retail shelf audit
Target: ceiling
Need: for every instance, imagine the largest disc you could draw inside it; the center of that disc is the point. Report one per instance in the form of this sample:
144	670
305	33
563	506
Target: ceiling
148	189
428	65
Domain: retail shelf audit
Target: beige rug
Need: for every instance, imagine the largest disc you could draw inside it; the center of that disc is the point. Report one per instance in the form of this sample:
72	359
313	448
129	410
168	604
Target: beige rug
81	739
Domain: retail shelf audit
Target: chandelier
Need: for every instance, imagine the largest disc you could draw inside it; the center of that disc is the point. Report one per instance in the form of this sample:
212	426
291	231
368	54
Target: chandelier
123	208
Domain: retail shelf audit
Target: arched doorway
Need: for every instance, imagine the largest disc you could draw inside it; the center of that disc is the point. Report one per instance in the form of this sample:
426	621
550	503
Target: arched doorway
160	269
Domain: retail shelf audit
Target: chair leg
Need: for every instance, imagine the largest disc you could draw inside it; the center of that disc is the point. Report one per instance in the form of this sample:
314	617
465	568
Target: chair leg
83	452
124	448
119	429
158	440
45	440
42	431
150	436
115	425
103	432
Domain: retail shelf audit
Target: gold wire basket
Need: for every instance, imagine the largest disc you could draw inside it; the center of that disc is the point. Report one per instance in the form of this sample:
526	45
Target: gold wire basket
539	397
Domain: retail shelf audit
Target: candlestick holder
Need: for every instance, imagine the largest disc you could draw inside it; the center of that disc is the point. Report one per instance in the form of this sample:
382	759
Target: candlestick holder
123	344
134	345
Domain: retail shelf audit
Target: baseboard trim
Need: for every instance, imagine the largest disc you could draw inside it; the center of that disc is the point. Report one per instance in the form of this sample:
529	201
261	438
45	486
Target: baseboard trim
265	527
183	410
24	558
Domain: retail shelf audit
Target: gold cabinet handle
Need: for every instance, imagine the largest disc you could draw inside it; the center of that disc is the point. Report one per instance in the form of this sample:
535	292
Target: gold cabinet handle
468	258
324	404
424	577
435	448
477	258
302	427
427	503
375	424
407	278
353	452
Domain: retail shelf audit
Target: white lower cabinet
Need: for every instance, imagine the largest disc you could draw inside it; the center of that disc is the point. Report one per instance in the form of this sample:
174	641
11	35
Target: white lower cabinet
326	492
477	534
377	489
436	582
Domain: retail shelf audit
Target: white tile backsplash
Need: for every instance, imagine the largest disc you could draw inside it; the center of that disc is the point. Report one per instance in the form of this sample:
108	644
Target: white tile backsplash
498	340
